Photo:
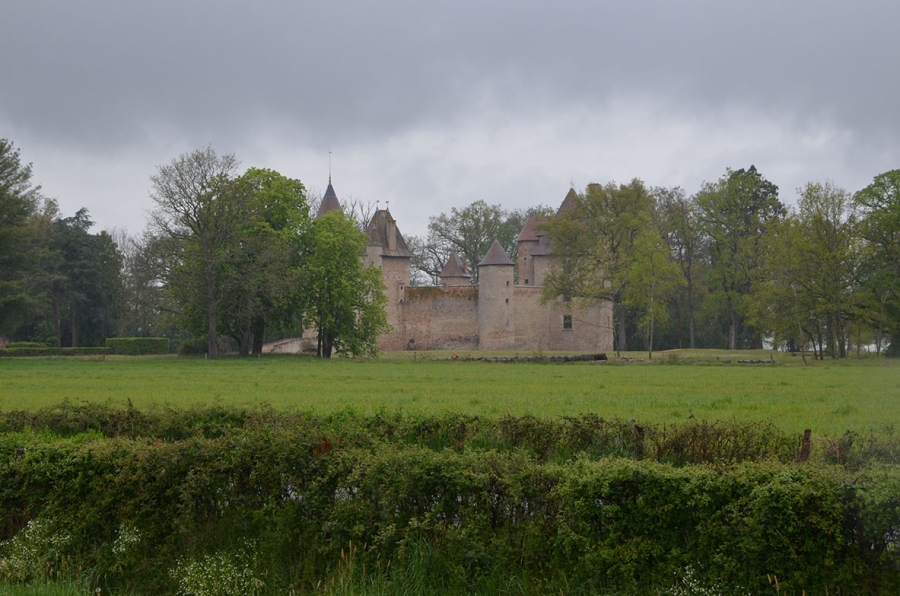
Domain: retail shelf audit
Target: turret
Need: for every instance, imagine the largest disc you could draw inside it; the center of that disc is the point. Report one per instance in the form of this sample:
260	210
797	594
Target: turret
496	327
329	202
455	272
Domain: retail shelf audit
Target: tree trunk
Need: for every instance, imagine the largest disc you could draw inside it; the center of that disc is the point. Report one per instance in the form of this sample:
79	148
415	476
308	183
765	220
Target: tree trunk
57	324
732	326
244	345
327	345
212	350
74	324
259	333
690	291
621	343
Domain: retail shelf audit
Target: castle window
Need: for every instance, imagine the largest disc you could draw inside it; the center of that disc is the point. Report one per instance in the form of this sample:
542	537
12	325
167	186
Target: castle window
507	300
507	283
526	282
567	322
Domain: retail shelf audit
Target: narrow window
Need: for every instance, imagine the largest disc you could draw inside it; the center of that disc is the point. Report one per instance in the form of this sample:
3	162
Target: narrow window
567	321
507	283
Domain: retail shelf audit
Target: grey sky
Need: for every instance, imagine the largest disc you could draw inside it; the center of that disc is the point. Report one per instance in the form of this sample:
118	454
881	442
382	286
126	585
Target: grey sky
431	105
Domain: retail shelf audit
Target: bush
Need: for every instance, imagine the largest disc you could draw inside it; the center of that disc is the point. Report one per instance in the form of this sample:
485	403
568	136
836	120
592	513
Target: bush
138	346
274	502
193	347
26	344
26	352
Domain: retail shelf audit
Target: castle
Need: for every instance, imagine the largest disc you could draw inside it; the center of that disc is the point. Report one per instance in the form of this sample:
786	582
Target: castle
494	314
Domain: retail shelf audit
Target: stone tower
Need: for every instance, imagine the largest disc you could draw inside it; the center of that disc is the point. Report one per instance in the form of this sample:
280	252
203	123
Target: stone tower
386	249
496	324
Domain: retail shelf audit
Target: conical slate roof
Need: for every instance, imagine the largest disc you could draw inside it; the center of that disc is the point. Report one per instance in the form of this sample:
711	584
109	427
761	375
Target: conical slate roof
329	202
455	268
495	256
529	231
568	202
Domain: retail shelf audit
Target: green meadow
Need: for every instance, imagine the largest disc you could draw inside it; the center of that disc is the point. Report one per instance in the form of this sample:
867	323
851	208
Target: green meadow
828	396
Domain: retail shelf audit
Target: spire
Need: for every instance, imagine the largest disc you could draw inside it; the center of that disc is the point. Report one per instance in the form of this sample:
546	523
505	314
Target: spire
329	202
569	202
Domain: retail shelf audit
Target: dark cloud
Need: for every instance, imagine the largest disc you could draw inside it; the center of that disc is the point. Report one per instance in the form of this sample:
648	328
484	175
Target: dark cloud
99	77
98	70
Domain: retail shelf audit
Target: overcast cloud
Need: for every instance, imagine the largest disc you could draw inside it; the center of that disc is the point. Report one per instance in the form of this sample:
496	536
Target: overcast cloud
431	105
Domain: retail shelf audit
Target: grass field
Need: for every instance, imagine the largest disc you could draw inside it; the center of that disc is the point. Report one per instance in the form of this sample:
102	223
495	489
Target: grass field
829	397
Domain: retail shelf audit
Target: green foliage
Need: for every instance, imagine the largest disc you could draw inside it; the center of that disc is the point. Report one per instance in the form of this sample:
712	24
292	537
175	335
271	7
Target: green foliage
344	298
593	246
193	347
807	291
880	228
138	346
736	213
29	352
18	238
26	344
468	232
199	209
280	502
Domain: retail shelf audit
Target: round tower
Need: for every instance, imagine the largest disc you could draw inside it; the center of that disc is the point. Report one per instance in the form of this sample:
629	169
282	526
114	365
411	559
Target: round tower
496	326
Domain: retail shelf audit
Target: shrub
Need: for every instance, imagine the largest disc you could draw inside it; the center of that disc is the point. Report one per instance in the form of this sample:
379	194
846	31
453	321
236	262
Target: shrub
138	346
193	347
151	509
31	352
26	344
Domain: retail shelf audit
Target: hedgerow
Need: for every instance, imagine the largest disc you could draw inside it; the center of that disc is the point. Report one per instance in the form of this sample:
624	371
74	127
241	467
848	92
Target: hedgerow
138	346
291	501
30	352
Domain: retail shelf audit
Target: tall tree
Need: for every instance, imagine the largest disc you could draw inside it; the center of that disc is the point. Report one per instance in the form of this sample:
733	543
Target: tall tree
82	273
681	230
199	205
145	308
735	214
18	241
807	289
592	244
469	232
653	275
880	228
265	266
344	299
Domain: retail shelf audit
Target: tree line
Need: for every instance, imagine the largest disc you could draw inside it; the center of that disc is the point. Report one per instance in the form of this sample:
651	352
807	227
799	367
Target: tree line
732	267
225	254
236	255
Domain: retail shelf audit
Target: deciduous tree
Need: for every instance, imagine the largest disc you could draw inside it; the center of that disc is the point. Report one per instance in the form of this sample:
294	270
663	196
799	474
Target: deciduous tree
735	213
344	300
592	246
880	228
18	242
199	205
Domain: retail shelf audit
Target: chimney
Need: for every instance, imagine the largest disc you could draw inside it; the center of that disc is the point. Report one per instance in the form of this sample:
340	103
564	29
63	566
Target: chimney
391	232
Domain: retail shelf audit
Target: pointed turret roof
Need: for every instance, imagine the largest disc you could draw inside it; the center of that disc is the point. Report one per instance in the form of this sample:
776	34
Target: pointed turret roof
455	268
380	227
568	202
530	232
495	256
329	202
